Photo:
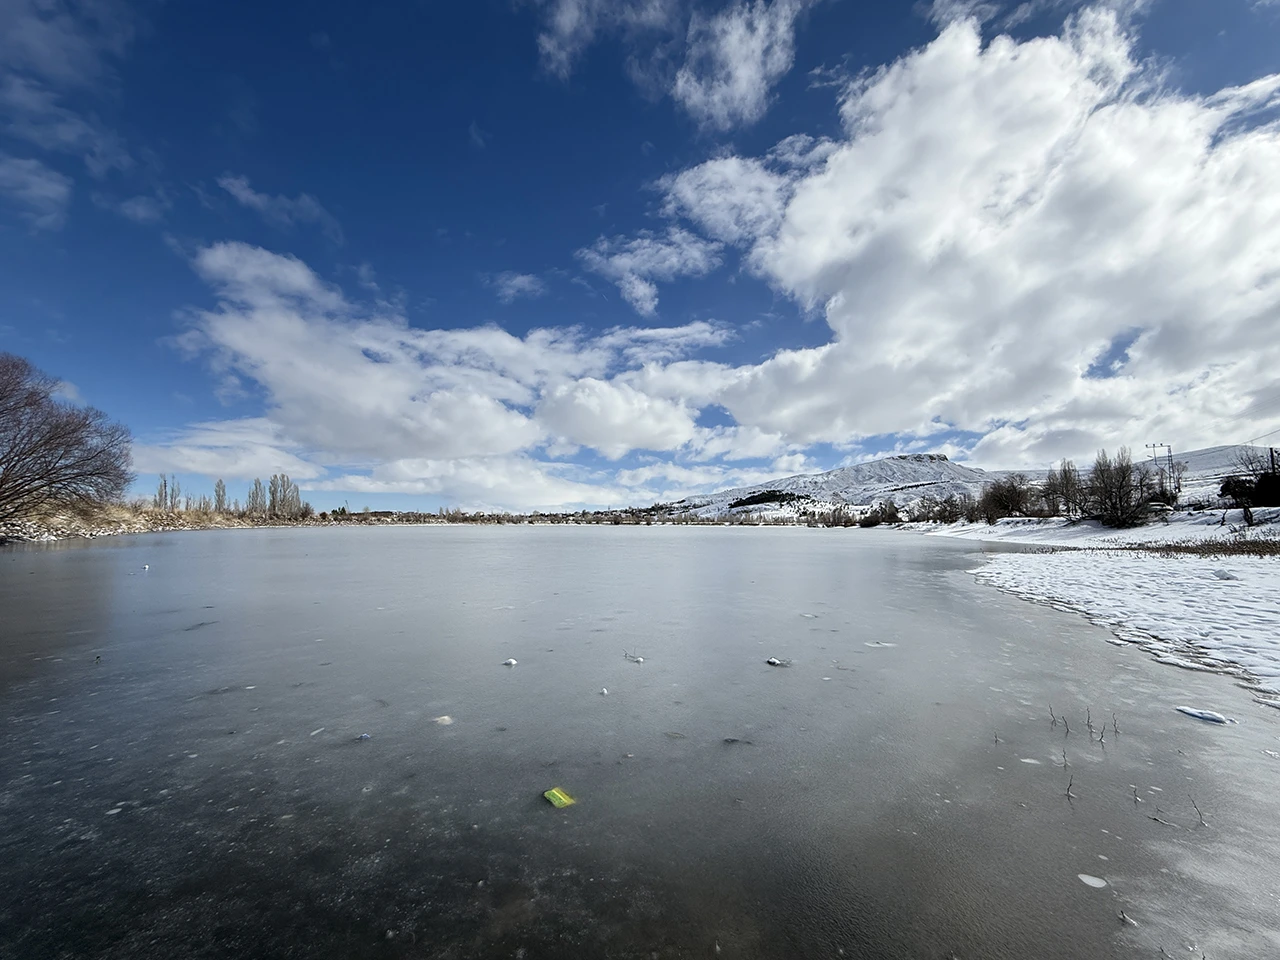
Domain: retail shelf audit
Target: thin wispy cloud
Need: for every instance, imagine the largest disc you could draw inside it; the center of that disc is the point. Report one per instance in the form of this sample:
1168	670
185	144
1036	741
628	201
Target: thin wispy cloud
720	67
570	26
511	286
636	265
56	62
38	194
281	211
142	209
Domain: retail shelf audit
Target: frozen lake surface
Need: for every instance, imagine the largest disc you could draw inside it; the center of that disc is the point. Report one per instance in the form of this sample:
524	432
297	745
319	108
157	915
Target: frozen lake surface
897	791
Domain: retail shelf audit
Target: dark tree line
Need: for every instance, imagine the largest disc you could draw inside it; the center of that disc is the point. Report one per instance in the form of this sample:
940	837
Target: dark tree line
278	499
1255	484
1115	491
55	454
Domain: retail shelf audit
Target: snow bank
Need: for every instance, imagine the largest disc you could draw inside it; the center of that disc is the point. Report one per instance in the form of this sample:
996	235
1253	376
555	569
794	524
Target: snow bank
1059	532
1205	613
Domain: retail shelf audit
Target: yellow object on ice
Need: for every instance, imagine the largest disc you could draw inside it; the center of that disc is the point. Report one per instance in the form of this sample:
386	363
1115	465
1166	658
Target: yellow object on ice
559	797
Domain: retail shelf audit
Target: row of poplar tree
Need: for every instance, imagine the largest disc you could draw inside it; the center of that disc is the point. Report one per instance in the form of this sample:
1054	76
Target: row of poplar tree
278	498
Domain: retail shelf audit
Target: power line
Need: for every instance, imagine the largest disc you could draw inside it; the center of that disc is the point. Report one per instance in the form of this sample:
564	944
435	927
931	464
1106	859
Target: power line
1263	437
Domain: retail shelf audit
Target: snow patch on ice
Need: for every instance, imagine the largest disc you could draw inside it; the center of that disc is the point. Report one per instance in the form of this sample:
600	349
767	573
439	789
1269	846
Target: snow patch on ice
1174	607
1211	716
1095	882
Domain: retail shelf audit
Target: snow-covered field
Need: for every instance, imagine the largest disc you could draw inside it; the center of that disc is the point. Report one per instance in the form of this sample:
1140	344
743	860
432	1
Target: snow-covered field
1193	526
1206	613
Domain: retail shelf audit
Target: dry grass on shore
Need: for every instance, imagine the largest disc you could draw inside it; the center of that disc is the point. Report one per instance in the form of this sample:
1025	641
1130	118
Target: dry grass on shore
1260	547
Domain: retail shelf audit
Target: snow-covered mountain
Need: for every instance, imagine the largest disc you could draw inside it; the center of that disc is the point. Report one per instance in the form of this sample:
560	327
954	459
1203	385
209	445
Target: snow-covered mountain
905	479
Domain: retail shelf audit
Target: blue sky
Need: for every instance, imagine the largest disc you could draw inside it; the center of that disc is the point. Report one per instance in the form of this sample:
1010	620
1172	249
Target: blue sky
558	253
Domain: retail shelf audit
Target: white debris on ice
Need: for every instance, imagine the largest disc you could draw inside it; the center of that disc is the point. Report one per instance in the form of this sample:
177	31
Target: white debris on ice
1212	716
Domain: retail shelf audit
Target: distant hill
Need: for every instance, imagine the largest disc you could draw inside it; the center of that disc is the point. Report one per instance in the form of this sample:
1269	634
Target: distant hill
905	479
1207	468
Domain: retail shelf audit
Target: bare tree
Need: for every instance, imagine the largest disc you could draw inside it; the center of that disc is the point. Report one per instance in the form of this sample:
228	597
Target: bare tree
285	499
1009	496
1119	490
273	496
256	503
175	495
220	497
1249	461
1072	490
161	500
54	454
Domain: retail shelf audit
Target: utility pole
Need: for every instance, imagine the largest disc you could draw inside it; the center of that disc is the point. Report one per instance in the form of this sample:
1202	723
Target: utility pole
1167	469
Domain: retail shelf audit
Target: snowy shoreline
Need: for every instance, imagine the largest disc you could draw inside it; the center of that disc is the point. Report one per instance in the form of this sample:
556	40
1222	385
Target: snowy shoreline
1198	612
1198	526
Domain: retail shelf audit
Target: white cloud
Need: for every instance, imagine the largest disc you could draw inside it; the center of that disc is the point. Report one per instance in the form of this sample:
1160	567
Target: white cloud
736	443
63	42
730	198
794	464
41	195
652	345
719	67
231	449
945	12
143	209
635	264
614	417
489	483
665	482
66	390
255	277
571	26
512	286
367	277
346	387
51	50
994	218
283	211
34	112
734	59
